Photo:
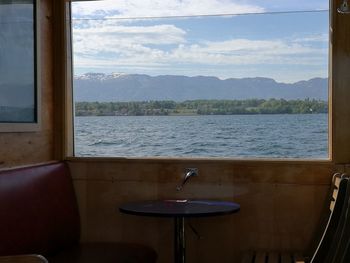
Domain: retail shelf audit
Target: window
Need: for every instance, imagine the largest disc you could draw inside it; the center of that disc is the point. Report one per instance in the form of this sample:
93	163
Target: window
19	91
242	80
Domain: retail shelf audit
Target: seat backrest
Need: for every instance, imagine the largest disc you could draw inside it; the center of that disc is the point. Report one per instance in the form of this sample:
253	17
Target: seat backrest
346	255
38	210
340	250
326	213
338	200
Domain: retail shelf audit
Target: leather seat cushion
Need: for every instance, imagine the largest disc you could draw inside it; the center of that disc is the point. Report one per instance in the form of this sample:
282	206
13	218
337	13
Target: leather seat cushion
106	253
38	210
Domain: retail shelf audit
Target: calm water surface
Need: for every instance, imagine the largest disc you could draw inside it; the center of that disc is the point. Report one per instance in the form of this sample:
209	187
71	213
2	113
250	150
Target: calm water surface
282	136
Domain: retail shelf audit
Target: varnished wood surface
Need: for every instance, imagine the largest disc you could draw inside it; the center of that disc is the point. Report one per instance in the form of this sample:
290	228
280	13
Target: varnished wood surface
32	147
269	192
340	83
277	201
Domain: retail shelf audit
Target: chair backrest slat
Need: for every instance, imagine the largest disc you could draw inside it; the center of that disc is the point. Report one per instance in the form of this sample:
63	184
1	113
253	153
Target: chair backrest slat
336	211
340	251
336	179
327	211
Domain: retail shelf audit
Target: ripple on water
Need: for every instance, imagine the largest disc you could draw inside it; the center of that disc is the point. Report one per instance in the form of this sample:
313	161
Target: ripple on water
217	136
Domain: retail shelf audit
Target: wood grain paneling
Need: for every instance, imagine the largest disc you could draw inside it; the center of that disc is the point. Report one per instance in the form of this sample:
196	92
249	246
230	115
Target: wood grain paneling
340	50
280	201
33	147
280	204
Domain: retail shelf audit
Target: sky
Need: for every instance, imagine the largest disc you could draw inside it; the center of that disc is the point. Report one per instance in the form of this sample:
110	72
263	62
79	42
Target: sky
222	38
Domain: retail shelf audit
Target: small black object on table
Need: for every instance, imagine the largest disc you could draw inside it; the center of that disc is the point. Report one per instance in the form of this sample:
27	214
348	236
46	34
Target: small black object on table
179	210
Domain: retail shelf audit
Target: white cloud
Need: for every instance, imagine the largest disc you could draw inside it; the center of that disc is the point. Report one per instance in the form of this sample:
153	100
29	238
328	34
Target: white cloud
141	45
125	45
246	51
159	8
125	41
313	38
157	34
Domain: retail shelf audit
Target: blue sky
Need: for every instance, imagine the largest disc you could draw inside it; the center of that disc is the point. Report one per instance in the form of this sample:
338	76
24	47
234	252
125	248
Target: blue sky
287	47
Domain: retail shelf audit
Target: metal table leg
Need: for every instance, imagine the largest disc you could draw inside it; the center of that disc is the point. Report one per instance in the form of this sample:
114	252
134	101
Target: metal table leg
179	241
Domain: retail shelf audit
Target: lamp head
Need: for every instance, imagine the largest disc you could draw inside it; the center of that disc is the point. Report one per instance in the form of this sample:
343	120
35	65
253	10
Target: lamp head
344	8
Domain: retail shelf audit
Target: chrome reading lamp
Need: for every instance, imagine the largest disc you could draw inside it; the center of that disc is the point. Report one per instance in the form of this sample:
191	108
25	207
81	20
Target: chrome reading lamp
344	8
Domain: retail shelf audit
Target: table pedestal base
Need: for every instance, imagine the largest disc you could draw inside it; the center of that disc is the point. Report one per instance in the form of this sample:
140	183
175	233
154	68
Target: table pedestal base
180	240
179	211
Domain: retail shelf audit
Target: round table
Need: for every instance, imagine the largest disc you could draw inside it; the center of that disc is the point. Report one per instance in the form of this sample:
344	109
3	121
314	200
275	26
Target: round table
179	210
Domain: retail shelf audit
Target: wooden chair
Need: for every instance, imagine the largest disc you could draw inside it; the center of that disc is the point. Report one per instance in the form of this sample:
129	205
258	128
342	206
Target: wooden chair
345	257
339	193
340	249
337	207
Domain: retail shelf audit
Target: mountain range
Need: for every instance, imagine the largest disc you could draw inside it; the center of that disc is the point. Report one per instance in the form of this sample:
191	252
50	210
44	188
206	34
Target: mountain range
139	87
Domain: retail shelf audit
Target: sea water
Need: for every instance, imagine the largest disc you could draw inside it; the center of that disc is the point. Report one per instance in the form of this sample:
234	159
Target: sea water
236	136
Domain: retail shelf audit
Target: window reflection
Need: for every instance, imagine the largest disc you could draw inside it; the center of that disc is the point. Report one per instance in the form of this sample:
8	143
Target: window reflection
17	62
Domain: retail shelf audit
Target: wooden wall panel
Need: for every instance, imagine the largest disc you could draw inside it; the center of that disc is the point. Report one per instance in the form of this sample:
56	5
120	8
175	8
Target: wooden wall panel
280	204
34	147
281	201
340	49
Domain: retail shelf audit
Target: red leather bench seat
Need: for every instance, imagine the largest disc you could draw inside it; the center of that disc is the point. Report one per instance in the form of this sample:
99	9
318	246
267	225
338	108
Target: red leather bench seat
39	215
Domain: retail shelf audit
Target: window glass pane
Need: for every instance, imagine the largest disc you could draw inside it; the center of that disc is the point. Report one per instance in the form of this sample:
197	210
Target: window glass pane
154	8
17	70
246	79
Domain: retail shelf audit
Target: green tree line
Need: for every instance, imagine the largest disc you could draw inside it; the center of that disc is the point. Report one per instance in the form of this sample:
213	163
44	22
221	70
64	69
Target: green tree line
201	107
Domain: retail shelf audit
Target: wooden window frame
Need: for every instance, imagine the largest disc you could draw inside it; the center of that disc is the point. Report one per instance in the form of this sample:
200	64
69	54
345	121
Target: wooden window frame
339	96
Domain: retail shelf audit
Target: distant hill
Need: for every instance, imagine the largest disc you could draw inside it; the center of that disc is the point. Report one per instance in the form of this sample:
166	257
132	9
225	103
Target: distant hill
136	87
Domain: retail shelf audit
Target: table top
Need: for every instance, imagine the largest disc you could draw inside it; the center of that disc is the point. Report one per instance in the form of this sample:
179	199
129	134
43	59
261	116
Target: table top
180	208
